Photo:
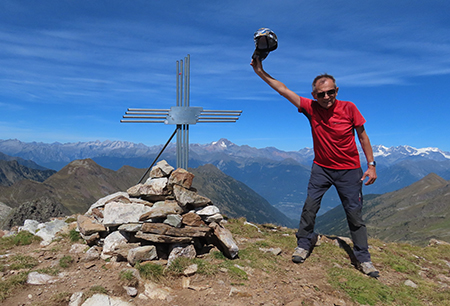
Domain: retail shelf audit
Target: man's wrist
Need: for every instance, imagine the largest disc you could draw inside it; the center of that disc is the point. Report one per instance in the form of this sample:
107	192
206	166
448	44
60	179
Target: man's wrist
372	163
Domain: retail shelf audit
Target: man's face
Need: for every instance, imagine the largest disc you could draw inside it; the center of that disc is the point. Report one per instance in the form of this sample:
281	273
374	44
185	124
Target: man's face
323	93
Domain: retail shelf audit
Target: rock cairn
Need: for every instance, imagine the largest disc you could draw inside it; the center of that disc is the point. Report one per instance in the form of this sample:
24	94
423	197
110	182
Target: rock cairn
163	218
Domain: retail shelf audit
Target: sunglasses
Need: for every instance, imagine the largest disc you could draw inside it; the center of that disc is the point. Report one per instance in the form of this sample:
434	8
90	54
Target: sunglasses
331	92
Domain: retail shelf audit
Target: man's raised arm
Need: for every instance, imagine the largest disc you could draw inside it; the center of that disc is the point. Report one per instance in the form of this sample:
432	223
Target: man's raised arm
275	84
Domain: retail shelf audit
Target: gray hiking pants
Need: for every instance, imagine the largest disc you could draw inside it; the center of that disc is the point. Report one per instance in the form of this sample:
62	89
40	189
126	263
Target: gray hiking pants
349	187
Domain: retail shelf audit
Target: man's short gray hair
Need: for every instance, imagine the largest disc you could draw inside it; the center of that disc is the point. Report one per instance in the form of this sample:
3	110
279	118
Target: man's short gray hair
322	76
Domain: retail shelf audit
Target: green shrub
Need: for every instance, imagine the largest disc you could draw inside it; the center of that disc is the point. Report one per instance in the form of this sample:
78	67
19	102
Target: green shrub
128	279
74	236
150	271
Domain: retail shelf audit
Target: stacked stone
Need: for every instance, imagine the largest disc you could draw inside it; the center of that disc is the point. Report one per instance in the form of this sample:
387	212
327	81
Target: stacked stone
164	217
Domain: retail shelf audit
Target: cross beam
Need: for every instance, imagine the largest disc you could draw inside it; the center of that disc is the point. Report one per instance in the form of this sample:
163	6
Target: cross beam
182	115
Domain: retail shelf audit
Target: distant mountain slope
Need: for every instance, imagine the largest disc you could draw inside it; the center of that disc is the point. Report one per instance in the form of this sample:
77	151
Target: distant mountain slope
236	199
415	213
27	163
11	172
81	183
73	189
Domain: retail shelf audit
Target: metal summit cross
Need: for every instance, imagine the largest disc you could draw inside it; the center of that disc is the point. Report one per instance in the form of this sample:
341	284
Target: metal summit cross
182	115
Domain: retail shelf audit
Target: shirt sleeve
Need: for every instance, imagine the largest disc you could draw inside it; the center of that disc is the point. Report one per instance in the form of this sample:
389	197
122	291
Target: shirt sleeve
358	119
305	105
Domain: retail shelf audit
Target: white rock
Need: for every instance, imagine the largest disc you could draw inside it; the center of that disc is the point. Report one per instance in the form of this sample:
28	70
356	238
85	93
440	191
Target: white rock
410	283
77	248
112	242
142	253
48	230
91	254
36	278
214	218
76	299
209	210
104	300
103	201
131	291
30	226
190	270
116	213
181	251
156	292
173	220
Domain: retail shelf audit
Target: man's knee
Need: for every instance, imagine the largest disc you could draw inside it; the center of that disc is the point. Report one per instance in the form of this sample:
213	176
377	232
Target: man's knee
355	219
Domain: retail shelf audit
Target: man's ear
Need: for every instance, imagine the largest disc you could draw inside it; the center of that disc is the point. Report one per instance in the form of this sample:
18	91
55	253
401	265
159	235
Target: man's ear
314	95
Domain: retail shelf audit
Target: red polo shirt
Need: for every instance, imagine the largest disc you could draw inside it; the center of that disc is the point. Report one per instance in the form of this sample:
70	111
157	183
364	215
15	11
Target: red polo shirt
333	132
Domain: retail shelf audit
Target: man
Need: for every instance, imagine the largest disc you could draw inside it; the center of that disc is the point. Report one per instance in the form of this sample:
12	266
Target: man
336	161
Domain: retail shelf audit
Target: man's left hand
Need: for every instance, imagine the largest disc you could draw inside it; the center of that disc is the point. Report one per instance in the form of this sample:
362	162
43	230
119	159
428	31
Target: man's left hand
371	173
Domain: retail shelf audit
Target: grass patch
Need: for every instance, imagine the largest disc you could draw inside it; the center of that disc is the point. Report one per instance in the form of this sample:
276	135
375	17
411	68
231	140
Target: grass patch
19	262
204	267
403	259
238	227
360	288
236	272
74	236
218	255
127	278
13	282
70	220
97	289
21	238
50	271
150	271
66	261
61	298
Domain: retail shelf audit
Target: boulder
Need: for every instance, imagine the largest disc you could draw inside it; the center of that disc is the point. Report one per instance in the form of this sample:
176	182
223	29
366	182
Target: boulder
162	169
116	197
182	178
89	225
140	254
117	213
162	210
192	219
189	197
226	241
187	251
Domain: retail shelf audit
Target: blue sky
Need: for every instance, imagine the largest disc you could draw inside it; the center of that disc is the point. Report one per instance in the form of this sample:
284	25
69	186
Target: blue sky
70	69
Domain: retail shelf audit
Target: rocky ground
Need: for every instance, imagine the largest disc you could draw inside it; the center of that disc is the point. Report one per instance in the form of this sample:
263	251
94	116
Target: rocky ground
290	284
275	280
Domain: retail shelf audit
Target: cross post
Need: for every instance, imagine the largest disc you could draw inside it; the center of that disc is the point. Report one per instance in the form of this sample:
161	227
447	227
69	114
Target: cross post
182	115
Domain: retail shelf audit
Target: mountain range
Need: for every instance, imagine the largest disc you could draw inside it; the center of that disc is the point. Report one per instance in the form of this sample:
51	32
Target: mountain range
265	170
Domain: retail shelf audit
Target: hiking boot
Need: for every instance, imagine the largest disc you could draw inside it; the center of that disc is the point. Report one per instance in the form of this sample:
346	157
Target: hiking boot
368	269
299	255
